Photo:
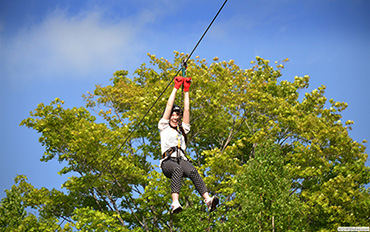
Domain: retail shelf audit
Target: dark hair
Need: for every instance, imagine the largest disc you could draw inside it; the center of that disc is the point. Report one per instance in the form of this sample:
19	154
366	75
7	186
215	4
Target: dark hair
183	133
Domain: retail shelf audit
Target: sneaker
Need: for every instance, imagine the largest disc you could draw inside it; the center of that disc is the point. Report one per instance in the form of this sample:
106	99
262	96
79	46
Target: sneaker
212	203
176	207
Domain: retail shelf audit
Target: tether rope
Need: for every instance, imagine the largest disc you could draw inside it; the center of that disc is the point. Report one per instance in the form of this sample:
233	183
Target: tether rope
155	102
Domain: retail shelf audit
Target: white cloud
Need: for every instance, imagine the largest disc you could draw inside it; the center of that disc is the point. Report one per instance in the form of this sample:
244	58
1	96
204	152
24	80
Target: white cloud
72	47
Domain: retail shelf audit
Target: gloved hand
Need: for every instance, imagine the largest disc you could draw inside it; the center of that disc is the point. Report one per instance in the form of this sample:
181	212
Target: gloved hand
187	82
178	81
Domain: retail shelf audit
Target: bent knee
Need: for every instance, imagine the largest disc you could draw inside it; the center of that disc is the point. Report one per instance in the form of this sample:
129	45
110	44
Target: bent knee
193	171
178	169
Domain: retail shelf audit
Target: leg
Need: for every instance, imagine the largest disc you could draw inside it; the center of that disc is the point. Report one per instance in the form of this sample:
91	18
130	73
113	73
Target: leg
173	170
206	196
175	196
193	174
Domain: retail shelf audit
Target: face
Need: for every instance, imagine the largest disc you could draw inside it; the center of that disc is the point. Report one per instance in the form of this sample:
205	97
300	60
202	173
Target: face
175	119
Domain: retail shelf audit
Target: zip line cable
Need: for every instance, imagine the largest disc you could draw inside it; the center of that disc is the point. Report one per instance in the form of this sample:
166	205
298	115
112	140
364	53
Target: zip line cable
155	102
205	32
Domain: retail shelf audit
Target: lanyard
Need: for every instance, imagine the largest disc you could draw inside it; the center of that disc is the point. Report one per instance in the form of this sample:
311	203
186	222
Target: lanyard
178	137
178	141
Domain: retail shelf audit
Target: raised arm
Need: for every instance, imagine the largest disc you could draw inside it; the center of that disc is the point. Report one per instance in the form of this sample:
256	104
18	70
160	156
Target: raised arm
186	116
167	112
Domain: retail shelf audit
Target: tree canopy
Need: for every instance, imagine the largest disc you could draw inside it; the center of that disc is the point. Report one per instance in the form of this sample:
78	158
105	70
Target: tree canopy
278	158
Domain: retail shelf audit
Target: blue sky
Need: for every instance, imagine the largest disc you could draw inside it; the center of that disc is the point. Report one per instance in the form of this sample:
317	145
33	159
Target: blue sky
62	48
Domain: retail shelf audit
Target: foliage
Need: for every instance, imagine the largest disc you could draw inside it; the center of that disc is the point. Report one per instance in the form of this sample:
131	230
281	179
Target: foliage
23	197
270	154
264	191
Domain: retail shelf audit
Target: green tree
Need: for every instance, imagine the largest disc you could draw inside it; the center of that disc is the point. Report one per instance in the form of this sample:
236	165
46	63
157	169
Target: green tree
264	191
112	152
23	197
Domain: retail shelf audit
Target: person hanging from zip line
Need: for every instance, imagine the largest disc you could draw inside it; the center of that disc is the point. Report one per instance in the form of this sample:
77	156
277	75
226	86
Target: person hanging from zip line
174	163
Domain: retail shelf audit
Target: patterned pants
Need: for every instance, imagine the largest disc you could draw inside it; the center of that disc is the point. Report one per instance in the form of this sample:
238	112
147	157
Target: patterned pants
176	171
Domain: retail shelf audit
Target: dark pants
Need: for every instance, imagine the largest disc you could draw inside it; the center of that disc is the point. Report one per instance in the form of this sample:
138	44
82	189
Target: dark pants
176	171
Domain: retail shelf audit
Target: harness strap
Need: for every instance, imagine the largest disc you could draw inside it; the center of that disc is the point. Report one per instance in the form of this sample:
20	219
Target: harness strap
171	150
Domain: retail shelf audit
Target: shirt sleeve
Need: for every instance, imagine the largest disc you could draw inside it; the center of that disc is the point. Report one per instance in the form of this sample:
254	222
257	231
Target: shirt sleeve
163	124
186	127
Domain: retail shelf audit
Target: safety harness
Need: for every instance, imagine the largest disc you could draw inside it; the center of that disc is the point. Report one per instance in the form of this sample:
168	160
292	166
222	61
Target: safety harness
167	154
171	150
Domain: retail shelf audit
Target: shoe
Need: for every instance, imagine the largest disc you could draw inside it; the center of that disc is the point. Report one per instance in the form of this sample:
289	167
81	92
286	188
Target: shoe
176	207
212	203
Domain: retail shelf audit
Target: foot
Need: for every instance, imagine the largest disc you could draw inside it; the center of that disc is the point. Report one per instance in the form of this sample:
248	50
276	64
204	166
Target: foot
212	203
176	207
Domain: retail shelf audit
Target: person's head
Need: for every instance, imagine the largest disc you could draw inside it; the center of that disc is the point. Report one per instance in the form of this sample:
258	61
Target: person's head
175	116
